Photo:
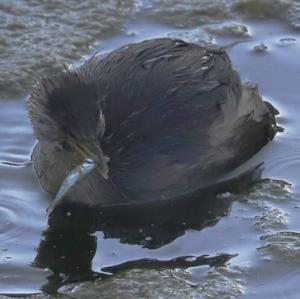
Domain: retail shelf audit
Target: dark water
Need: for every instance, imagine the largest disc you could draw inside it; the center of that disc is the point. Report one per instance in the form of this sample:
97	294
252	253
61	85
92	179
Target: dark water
254	240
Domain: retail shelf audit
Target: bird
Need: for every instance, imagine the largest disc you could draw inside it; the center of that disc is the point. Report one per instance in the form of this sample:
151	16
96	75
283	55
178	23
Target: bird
149	122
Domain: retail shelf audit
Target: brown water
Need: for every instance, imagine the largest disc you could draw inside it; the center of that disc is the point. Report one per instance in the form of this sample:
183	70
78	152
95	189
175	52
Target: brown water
256	238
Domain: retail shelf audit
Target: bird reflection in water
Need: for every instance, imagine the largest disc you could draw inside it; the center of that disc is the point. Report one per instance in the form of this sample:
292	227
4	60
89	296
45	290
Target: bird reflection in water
69	246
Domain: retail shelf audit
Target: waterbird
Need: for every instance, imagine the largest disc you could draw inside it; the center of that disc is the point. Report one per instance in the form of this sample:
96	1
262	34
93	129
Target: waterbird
150	122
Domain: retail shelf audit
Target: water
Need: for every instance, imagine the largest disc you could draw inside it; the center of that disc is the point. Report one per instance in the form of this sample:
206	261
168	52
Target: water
255	238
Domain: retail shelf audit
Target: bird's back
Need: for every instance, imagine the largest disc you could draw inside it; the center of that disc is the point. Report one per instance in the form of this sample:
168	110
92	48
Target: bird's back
176	118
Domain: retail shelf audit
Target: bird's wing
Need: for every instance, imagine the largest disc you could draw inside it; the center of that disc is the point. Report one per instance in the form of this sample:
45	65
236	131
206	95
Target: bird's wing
176	121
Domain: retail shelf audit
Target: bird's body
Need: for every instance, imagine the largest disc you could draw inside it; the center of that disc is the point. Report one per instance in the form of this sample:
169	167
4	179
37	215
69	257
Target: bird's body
164	117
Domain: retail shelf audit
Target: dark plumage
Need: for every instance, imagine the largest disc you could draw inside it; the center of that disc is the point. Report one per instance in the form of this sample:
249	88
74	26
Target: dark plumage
167	118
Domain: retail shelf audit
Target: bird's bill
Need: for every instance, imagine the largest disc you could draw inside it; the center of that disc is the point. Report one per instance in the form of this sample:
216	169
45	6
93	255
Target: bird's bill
94	153
85	151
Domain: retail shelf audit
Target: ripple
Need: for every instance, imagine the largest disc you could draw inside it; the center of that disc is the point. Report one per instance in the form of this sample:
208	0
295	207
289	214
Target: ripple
288	286
285	166
13	212
7	218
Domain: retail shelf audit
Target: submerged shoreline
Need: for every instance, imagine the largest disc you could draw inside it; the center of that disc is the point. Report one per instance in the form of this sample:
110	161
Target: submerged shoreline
39	38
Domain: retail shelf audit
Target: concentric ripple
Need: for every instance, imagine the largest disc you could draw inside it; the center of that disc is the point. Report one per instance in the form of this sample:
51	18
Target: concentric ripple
7	220
22	218
13	211
286	166
287	288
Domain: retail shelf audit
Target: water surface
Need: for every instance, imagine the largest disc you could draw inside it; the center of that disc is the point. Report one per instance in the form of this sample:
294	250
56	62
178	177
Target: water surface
257	233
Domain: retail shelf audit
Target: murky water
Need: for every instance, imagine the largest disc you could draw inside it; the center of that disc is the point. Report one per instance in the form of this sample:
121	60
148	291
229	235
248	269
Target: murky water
252	243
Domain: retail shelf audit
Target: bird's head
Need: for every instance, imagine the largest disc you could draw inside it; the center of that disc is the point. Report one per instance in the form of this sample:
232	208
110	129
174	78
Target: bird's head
66	114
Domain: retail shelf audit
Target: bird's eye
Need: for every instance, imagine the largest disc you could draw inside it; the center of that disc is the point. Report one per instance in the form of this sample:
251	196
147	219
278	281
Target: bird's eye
65	146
